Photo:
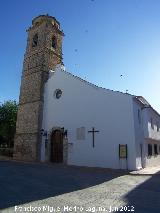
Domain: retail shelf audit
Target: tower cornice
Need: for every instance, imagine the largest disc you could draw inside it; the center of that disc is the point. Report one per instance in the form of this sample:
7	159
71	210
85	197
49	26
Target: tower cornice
37	21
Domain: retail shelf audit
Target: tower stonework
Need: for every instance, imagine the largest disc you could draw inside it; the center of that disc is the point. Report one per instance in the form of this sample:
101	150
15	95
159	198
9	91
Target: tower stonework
43	53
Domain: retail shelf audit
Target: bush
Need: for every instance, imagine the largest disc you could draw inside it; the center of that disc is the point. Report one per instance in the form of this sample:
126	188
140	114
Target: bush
8	115
6	152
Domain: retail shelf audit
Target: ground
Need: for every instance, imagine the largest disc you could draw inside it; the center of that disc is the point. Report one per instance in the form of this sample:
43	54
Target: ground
35	187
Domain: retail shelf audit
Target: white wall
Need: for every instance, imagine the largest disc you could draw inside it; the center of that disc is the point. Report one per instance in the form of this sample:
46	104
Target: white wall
82	104
151	135
149	131
139	134
145	134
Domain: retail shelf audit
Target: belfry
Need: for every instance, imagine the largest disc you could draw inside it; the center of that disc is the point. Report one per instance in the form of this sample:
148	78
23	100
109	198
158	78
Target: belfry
43	53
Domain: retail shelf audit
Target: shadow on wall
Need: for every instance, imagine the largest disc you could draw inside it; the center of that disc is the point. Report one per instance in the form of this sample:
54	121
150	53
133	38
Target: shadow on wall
25	182
145	198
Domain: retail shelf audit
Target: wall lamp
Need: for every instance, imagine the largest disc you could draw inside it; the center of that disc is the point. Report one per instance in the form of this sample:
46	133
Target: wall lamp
44	133
65	133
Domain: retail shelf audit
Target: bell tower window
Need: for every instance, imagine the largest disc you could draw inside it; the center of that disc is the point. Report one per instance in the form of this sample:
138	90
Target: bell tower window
54	42
35	40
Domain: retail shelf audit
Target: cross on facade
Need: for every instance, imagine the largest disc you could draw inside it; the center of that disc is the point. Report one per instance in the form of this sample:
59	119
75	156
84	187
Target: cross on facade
93	131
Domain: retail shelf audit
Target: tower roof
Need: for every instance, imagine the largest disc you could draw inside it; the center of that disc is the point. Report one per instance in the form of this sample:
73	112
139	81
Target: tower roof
44	17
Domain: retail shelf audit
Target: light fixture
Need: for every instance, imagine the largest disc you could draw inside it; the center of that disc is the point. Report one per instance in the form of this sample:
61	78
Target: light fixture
65	133
44	133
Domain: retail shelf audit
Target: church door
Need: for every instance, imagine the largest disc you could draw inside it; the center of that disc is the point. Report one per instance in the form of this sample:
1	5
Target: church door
57	146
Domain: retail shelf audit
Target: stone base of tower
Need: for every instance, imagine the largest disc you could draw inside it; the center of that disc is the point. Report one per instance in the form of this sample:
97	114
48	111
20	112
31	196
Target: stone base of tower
25	147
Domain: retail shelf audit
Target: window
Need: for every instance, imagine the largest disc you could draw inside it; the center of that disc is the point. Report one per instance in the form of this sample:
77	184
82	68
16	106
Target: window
54	42
157	127
58	93
152	126
139	116
35	40
149	149
155	149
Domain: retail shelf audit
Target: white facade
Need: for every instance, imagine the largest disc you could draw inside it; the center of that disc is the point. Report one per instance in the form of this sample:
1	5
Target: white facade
113	114
146	134
152	135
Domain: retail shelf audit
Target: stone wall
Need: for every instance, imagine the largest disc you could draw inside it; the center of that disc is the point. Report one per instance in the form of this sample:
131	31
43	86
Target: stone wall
65	150
38	60
26	147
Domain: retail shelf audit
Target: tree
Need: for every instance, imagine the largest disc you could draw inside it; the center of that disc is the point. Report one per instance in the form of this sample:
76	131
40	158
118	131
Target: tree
8	117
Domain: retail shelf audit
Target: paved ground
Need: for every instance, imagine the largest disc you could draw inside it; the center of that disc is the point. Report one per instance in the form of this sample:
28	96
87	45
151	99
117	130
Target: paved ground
26	187
148	171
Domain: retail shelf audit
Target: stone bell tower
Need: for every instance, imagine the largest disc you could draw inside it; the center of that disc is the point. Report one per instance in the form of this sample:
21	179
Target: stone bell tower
43	53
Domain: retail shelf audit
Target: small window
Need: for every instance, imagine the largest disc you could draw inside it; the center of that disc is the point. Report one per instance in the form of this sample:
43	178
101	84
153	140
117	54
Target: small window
139	116
58	93
152	126
35	40
149	149
157	127
54	42
155	149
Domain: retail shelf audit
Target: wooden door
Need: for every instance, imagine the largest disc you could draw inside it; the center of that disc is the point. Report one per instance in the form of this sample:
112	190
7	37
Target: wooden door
57	147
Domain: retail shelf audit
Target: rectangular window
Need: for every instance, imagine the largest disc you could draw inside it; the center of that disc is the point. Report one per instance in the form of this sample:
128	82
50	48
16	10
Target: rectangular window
157	127
152	126
155	149
149	149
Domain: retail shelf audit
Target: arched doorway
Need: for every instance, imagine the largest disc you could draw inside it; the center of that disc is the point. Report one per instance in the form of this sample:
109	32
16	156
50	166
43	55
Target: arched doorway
57	146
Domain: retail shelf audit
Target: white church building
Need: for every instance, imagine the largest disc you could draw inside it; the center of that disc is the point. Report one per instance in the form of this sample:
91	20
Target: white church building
101	127
65	119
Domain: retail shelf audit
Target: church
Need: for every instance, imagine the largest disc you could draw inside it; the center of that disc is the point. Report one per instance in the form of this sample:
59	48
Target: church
65	119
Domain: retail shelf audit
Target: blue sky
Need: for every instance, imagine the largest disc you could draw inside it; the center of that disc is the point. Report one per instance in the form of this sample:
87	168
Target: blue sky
104	39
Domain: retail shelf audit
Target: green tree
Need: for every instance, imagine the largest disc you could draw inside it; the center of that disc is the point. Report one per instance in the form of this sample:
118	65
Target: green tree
8	116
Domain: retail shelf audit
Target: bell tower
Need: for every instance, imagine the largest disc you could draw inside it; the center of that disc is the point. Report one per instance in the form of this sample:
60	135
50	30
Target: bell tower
43	53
